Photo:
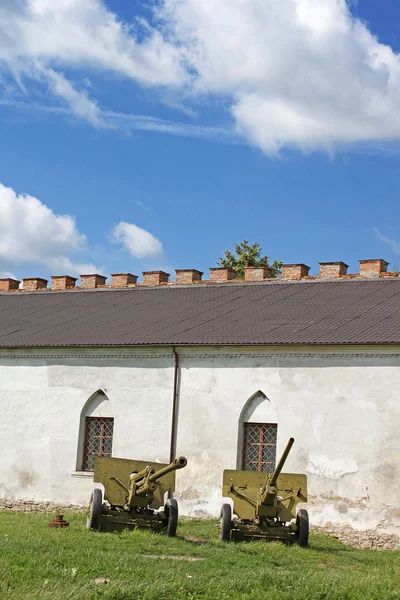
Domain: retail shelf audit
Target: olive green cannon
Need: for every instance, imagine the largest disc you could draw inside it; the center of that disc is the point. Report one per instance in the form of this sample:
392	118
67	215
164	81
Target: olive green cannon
265	505
134	491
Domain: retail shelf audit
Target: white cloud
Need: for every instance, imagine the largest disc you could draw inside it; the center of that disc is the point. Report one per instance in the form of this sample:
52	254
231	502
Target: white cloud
290	73
39	38
393	244
300	73
7	274
139	242
79	101
132	122
145	123
31	234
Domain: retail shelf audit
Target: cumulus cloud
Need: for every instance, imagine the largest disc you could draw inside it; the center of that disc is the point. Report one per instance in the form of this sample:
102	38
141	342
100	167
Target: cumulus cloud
290	73
31	233
139	242
302	73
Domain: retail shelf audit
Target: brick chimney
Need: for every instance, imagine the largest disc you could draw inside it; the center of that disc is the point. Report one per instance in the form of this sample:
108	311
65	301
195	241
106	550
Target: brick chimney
297	271
121	280
34	283
185	276
220	274
155	277
7	284
92	281
373	267
332	270
256	273
62	282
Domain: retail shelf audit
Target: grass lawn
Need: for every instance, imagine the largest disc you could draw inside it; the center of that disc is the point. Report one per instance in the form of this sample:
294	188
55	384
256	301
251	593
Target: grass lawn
39	562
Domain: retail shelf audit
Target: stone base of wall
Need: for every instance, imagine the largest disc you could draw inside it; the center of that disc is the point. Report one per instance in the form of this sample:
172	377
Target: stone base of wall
370	539
45	507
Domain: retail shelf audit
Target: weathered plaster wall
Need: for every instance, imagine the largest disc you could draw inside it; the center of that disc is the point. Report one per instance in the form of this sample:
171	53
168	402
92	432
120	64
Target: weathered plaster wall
341	406
343	411
42	401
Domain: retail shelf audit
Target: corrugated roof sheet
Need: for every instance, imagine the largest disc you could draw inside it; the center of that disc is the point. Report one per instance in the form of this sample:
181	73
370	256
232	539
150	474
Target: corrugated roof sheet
312	312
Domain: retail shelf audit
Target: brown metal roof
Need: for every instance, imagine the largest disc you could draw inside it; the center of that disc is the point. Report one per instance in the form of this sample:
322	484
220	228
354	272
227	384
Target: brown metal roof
304	312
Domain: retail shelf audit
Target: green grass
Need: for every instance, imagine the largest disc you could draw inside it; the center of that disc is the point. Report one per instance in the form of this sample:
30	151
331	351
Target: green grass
37	562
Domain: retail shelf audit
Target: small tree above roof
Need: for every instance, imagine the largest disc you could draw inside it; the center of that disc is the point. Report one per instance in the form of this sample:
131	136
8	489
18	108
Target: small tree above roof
248	255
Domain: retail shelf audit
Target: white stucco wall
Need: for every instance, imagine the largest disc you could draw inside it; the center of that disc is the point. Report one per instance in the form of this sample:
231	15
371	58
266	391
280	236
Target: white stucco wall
341	406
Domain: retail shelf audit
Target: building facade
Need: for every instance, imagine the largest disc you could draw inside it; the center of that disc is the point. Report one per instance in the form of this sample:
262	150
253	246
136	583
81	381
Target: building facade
230	405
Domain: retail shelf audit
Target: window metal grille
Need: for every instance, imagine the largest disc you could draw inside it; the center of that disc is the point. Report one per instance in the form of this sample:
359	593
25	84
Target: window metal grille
98	440
259	447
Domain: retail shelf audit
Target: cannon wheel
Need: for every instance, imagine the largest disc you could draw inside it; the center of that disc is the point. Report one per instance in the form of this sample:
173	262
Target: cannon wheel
226	523
94	511
171	511
303	528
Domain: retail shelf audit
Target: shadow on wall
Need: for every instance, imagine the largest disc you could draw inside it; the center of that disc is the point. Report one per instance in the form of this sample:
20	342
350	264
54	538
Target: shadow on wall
297	359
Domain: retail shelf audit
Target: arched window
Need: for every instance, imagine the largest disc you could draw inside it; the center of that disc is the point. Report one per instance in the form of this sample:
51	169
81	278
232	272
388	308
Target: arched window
258	433
259	446
96	430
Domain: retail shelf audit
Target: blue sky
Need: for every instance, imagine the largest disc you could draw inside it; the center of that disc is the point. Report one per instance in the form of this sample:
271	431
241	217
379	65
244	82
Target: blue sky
134	140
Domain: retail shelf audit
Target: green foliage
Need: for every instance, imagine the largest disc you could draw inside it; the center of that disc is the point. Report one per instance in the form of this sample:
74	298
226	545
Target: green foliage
248	255
40	563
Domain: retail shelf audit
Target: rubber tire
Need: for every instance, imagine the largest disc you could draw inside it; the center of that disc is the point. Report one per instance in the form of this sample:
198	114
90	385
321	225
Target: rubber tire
94	512
226	523
171	510
303	528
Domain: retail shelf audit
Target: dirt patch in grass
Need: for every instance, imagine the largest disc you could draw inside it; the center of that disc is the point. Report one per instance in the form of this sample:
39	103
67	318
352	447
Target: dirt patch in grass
100	580
194	540
172	557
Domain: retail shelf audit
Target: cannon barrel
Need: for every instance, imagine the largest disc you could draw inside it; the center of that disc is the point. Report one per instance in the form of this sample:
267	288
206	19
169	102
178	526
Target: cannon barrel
281	462
268	491
137	476
149	485
178	463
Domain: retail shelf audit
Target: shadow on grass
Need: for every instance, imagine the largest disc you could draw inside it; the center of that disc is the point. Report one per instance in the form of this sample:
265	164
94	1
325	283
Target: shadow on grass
329	549
320	543
325	544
